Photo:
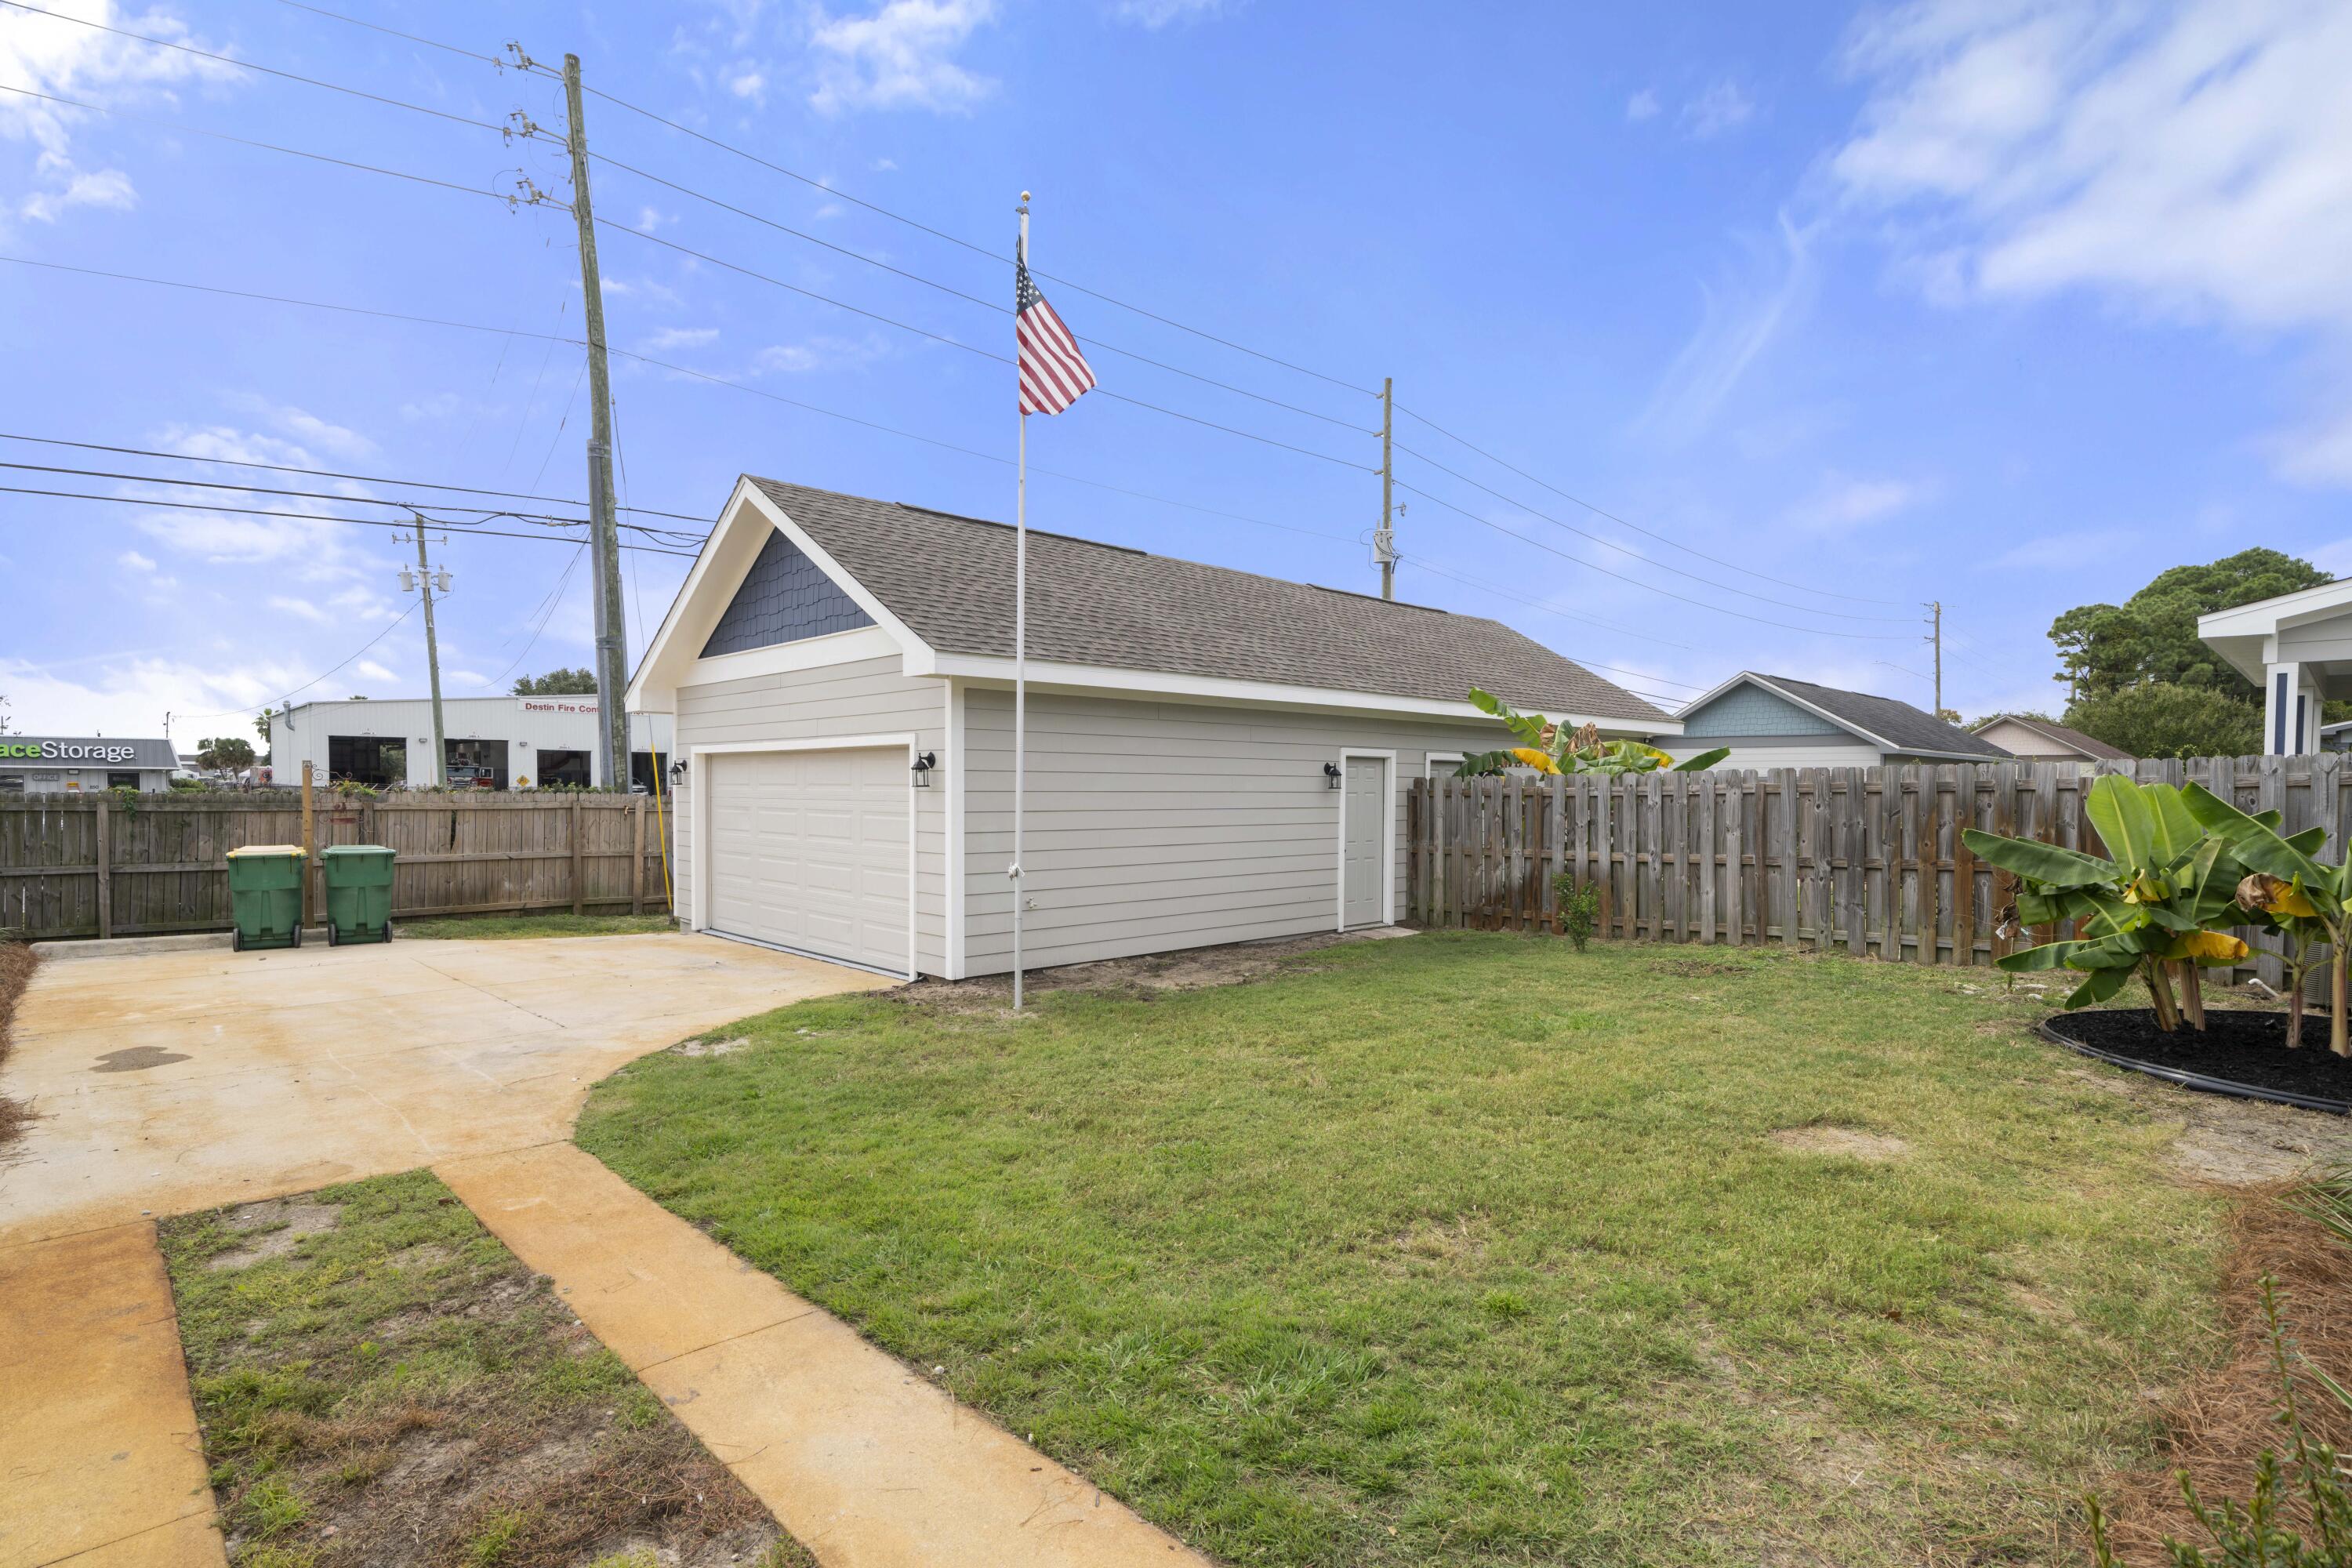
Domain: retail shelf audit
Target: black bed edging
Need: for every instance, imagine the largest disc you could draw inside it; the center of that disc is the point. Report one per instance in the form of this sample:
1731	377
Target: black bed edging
2196	1081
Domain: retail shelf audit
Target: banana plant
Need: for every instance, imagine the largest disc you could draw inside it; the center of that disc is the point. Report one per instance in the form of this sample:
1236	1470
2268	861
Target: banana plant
2292	891
2147	910
1554	748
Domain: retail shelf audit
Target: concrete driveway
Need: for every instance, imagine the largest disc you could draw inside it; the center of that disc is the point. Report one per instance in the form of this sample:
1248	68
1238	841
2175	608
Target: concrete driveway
168	1083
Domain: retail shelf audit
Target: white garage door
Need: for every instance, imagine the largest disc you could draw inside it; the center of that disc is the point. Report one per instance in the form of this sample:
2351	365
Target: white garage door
808	851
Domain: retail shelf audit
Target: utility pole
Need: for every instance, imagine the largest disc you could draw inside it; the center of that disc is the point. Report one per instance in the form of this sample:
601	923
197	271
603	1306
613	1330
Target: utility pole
1937	636
432	655
603	537
1384	541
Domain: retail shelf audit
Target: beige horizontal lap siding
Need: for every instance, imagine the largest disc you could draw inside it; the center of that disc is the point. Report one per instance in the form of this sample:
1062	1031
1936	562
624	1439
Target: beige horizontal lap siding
868	697
1153	827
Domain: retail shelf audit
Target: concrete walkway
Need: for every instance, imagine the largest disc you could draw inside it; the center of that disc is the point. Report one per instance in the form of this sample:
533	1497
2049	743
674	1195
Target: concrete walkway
170	1082
101	1464
868	1464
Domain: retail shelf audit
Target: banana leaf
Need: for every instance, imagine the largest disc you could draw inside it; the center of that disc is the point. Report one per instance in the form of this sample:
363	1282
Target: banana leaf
2047	864
1704	760
1528	729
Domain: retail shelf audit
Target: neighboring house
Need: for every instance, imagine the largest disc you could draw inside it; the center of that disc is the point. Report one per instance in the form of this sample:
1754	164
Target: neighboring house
2298	648
1213	755
1773	722
2035	740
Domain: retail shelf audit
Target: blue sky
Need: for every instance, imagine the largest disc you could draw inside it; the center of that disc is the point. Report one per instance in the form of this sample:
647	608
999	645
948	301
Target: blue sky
1831	311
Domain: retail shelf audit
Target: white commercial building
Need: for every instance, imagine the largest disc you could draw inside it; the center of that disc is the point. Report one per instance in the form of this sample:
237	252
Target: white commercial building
514	742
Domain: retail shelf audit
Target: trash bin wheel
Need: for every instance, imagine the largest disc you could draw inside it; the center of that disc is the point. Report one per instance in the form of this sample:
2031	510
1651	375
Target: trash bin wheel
297	937
334	940
236	942
387	931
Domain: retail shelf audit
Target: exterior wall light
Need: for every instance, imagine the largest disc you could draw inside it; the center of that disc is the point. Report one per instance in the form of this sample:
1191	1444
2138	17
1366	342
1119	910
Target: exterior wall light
1330	775
924	765
677	774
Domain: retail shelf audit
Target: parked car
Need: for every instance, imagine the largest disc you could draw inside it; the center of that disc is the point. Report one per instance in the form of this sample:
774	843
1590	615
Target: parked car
466	777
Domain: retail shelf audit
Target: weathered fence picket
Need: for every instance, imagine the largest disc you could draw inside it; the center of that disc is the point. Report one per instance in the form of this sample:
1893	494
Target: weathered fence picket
86	866
1869	860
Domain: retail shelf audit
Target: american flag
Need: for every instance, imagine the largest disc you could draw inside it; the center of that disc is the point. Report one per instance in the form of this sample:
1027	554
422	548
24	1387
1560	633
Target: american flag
1053	372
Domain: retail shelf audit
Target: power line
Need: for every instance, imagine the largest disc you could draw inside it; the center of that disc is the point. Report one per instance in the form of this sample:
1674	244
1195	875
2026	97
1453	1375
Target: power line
314	680
264	70
1652	587
492	60
1621	522
959	294
327	473
1581	619
179	129
554	598
465	530
1612	545
955	344
978	249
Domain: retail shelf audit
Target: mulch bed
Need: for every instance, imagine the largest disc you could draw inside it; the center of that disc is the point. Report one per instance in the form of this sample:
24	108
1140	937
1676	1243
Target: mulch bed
2247	1049
15	973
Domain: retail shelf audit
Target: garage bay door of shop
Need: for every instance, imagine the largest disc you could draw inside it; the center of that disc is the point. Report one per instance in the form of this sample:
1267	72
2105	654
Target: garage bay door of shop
808	851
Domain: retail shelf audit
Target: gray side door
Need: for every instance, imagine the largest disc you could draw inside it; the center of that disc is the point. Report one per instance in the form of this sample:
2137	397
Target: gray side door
1364	858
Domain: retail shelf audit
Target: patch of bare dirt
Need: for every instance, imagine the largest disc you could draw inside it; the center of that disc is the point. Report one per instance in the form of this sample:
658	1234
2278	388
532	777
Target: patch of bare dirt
274	1226
1695	968
1235	963
702	1047
2224	1140
16	962
1435	1246
1853	1142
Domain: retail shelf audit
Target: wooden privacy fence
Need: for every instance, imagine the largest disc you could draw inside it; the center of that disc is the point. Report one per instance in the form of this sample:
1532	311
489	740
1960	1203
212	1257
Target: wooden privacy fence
95	865
1867	860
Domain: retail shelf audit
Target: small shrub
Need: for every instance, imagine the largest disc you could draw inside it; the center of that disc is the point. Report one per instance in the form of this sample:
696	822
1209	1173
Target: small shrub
1580	908
2257	1532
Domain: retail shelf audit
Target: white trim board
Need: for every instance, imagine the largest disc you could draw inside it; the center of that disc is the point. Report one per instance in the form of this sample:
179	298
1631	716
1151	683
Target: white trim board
785	658
1388	759
701	808
951	758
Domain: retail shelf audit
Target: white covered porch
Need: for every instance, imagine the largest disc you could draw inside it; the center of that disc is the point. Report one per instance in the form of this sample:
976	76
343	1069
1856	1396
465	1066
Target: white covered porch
2298	648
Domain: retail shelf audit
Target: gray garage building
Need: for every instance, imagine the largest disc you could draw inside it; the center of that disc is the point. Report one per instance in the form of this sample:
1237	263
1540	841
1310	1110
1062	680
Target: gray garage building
1213	755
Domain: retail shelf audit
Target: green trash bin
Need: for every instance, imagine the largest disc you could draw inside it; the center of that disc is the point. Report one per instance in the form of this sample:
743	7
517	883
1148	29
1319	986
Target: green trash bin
265	894
359	892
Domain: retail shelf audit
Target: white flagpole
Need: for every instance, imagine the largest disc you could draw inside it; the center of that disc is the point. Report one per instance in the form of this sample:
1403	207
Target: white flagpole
1020	649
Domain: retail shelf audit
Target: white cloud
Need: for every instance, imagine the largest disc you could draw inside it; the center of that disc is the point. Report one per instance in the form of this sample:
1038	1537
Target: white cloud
2319	453
1844	503
682	338
1642	105
1725	106
2187	160
817	353
830	209
748	81
131	693
885	166
302	608
651	218
1739	321
1156	13
59	58
898	57
106	189
373	671
130	559
2062	552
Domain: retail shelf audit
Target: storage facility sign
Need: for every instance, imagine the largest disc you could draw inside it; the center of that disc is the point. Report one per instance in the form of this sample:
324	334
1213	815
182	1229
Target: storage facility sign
84	752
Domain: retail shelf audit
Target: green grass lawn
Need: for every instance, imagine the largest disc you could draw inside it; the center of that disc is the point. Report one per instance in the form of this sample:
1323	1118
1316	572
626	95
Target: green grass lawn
381	1383
1470	1249
478	928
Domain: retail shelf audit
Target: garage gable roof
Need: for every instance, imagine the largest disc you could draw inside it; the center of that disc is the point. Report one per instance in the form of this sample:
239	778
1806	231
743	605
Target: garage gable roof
949	579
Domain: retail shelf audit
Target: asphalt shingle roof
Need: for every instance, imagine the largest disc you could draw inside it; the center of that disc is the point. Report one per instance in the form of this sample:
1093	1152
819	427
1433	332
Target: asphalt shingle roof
949	579
2064	735
1902	726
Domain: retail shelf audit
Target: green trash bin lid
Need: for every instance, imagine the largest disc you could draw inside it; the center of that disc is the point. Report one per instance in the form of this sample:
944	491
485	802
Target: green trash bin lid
354	851
261	849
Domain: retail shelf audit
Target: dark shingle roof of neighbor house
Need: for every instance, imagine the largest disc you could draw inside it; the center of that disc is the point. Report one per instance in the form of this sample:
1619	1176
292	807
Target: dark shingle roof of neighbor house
1900	725
2064	735
949	579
